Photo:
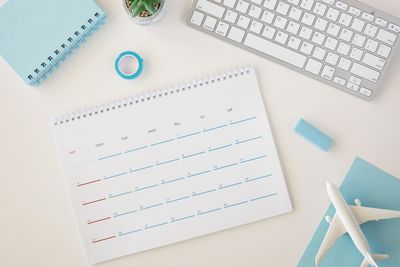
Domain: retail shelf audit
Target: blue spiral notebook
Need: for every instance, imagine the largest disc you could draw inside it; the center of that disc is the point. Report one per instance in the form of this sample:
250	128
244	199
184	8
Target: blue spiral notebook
36	36
377	189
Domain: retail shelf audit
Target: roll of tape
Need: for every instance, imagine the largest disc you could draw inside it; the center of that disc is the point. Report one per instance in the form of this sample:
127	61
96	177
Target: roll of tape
134	56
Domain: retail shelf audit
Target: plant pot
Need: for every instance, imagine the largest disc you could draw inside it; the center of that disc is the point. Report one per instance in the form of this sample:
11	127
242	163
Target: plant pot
145	20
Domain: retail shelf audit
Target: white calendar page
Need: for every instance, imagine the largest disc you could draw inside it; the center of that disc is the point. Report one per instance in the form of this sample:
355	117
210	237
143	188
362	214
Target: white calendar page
175	164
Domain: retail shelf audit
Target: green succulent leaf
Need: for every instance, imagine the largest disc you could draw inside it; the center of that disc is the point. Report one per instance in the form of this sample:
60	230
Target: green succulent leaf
138	6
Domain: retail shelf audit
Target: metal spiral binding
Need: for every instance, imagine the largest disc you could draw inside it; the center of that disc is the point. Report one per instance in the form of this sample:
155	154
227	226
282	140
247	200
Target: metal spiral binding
138	99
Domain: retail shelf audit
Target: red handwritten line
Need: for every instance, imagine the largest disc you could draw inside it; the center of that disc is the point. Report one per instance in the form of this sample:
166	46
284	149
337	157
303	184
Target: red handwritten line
99	220
98	180
94	201
103	239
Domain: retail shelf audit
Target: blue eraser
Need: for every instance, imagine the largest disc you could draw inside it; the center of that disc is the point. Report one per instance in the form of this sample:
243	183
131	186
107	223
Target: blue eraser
313	135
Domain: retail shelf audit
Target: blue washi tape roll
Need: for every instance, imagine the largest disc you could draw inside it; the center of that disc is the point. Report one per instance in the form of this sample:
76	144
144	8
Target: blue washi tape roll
136	57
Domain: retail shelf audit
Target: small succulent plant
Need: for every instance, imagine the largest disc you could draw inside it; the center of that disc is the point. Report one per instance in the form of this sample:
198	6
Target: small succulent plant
143	8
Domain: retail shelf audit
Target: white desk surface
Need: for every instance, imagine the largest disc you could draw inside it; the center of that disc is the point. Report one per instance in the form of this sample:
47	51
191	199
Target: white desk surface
37	225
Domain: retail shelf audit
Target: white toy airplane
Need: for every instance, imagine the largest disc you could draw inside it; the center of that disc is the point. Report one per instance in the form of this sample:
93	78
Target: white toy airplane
348	219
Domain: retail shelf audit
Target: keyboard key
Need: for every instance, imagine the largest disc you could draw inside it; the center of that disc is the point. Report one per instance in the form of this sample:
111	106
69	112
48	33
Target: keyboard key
328	72
236	34
268	17
320	9
345	19
367	16
293	28
344	64
329	2
332	58
294	42
370	30
268	32
386	37
344	49
295	13
355	80
282	8
231	16
280	22
197	18
313	66
319	53
331	43
341	5
305	33
371	45
294	2
339	81
318	38
332	14
359	40
256	26
356	53
229	3
209	23
384	50
365	72
242	6
308	19
320	24
243	22
352	86
307	4
258	2
255	12
365	91
222	28
381	22
358	25
393	27
374	61
333	29
281	37
274	50
354	11
346	35
306	48
210	8
270	4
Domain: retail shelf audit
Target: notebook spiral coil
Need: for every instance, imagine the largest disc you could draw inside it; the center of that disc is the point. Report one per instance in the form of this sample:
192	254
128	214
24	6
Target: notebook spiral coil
60	54
138	99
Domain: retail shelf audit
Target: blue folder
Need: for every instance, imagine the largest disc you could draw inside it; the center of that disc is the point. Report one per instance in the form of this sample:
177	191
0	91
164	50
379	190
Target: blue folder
375	188
36	36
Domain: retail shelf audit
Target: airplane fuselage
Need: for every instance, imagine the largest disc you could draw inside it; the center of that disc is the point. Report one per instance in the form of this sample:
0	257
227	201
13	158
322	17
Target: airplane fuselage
349	220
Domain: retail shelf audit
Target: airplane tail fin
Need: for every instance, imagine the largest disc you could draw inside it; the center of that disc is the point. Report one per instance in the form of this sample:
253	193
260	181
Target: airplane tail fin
371	259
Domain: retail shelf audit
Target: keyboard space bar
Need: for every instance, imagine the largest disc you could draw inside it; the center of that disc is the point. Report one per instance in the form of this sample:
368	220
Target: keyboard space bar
275	50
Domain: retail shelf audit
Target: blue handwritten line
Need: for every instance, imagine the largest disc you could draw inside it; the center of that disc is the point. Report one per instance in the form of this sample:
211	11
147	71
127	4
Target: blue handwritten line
258	198
125	213
143	168
156	225
121	194
226	186
195	154
162	142
152	206
187	135
115	175
199	173
168	161
215	128
209	211
130	232
236	122
260	177
135	149
110	156
182	218
173	180
221	147
204	192
236	204
226	166
248	140
177	199
146	187
247	160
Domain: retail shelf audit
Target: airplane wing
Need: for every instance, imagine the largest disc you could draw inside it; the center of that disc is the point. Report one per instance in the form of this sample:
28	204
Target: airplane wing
365	214
335	230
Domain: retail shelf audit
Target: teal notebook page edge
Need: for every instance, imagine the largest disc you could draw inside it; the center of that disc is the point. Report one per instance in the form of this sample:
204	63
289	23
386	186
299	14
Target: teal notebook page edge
375	188
32	33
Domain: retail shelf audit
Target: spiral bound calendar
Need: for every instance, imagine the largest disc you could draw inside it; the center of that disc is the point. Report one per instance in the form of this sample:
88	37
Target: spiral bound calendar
37	36
174	164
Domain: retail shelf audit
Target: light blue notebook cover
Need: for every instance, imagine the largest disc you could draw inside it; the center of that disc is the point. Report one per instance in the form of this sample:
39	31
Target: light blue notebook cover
36	36
375	188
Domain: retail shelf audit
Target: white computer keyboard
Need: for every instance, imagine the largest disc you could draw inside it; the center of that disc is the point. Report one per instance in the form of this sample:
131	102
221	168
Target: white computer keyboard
346	44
